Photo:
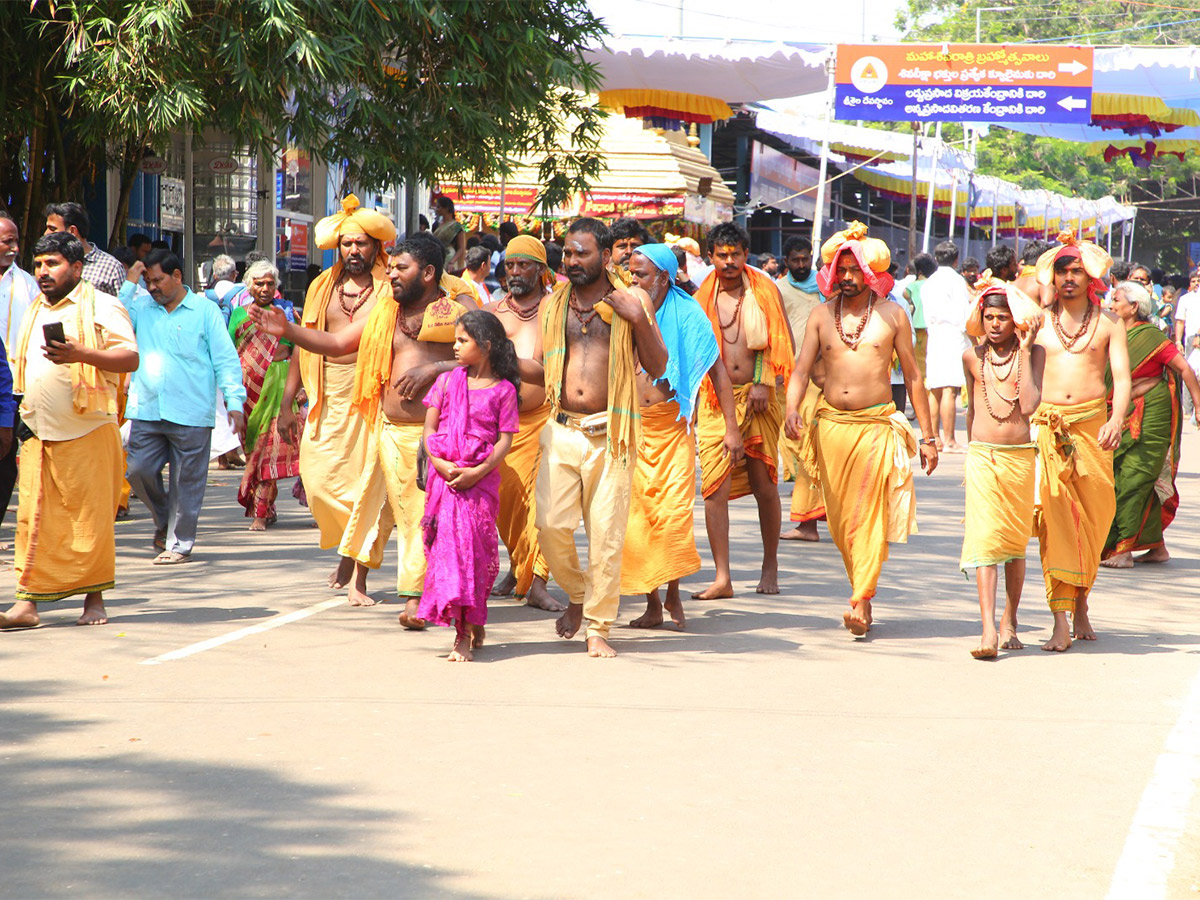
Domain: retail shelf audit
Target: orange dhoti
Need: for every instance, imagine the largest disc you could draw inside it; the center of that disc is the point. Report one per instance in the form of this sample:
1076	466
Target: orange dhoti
760	436
660	543
808	503
863	461
518	481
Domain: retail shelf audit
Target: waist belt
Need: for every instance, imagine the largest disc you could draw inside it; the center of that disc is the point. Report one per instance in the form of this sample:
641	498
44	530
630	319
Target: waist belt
592	425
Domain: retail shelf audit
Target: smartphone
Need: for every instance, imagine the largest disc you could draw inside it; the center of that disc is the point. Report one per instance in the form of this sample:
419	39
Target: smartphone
53	331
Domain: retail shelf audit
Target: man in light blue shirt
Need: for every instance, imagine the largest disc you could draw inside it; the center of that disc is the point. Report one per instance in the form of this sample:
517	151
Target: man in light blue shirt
186	354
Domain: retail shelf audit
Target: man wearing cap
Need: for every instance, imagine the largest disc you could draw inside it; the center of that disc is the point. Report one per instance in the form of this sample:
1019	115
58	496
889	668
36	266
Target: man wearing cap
529	282
857	442
1076	435
337	440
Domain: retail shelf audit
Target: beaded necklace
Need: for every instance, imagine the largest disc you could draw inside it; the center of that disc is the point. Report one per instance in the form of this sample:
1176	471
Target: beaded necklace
1070	340
853	341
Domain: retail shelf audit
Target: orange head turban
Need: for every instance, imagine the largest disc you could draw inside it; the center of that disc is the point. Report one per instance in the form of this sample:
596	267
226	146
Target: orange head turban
872	255
1094	259
353	219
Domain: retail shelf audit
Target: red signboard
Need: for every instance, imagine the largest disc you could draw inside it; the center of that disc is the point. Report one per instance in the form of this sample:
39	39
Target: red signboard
485	198
635	204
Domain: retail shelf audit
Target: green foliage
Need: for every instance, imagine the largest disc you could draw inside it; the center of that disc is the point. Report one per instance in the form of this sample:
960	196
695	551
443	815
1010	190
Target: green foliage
398	89
1062	166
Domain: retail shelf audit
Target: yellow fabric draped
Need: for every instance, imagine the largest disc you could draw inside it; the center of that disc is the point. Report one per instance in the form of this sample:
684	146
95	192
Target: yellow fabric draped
91	392
518	479
316	305
780	352
808	501
862	456
374	366
1077	498
624	414
1000	481
69	491
697	104
760	436
660	542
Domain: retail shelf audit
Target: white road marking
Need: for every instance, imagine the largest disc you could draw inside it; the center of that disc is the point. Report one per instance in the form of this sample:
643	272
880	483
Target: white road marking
1149	854
273	622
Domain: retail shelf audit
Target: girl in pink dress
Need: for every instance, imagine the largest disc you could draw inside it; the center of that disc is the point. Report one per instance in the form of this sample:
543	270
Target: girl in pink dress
471	418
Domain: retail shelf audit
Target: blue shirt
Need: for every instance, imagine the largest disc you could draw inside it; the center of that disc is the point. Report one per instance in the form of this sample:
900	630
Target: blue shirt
185	356
8	404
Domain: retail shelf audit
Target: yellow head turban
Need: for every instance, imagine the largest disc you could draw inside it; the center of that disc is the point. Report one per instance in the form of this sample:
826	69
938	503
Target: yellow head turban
872	254
1094	259
524	246
353	219
1024	309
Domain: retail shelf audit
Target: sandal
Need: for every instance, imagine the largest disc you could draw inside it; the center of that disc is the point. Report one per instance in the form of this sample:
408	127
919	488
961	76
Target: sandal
171	558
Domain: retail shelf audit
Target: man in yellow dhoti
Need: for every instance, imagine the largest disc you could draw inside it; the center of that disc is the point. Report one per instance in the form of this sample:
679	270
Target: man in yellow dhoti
798	288
1004	382
660	543
406	342
70	471
858	442
1075	433
529	281
594	335
337	441
756	347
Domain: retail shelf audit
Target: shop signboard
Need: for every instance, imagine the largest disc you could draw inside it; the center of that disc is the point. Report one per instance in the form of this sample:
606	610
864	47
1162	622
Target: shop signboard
485	198
784	183
635	204
964	83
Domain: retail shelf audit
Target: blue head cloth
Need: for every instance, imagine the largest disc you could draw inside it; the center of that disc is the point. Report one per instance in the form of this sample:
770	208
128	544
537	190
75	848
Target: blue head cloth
686	332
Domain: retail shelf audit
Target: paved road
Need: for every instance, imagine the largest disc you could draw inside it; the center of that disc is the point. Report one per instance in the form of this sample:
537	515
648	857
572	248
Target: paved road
761	753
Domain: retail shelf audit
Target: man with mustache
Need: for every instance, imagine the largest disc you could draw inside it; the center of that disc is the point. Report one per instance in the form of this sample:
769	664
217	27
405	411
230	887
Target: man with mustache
337	440
529	282
17	290
71	466
187	355
798	287
406	342
856	440
755	341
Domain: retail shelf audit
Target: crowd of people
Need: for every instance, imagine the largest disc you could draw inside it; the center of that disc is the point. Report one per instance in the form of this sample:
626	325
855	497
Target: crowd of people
584	381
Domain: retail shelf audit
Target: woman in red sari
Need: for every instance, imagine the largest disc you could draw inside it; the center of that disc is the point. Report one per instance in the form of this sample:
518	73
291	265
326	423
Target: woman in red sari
1147	459
269	455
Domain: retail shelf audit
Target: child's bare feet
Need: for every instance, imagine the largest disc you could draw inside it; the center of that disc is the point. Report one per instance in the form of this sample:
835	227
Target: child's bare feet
857	619
478	635
409	618
259	524
988	643
462	649
600	648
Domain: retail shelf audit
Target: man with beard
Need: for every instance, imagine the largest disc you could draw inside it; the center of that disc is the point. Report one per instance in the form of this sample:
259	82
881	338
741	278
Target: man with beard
186	355
406	342
798	287
856	438
17	290
528	283
595	334
1076	434
71	466
337	441
1001	261
755	340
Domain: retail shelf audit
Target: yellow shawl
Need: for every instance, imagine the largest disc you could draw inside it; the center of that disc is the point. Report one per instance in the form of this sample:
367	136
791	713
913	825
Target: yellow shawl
374	366
316	303
624	415
90	390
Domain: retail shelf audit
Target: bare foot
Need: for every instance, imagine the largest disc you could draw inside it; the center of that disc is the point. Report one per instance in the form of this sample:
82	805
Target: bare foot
409	618
674	605
954	447
462	649
1081	626
805	531
769	582
358	596
504	587
22	614
1118	561
540	598
653	616
478	635
857	619
1008	638
600	648
93	617
1060	640
1158	555
342	574
718	590
568	623
988	643
259	524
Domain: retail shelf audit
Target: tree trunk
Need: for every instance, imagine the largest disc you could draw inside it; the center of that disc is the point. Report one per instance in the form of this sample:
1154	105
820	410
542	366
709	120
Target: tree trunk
131	160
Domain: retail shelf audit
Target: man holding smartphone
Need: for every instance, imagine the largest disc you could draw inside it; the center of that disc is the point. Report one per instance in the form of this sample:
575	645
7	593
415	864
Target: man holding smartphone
186	355
73	344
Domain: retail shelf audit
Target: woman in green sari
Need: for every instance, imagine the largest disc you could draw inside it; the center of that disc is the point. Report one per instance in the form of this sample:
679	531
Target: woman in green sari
1147	459
450	232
